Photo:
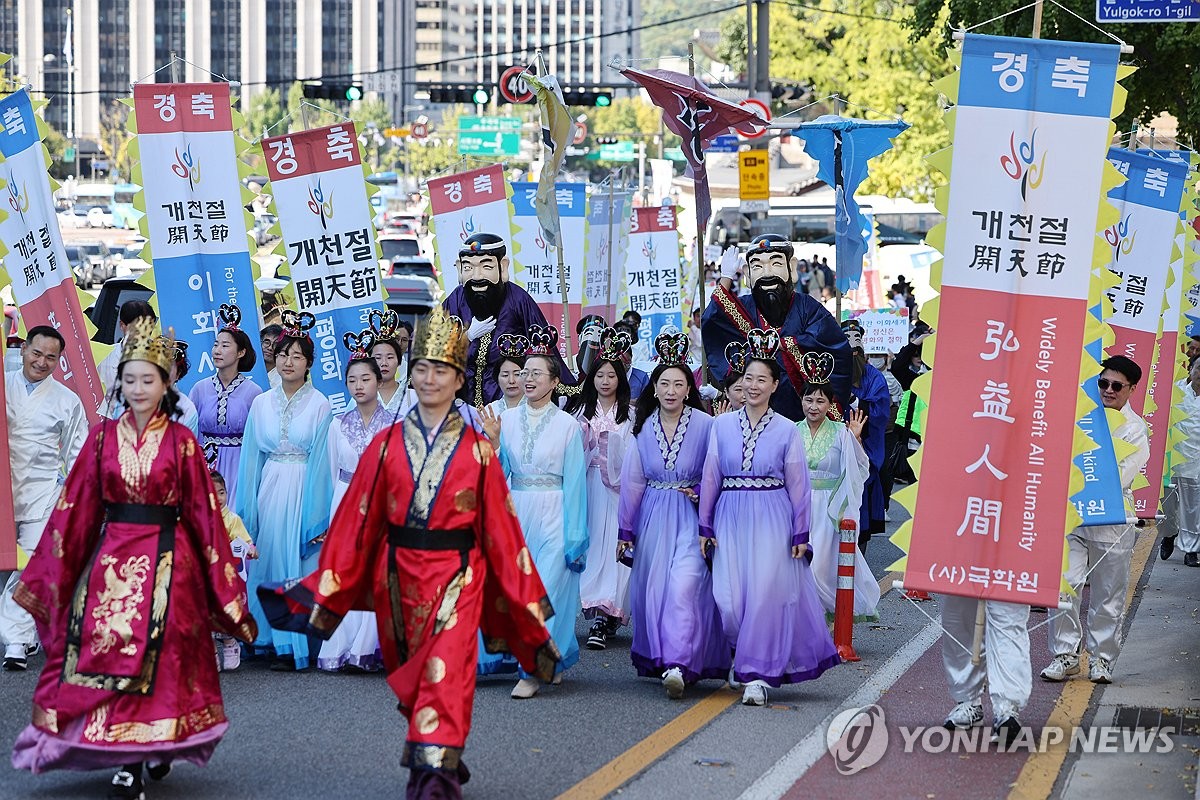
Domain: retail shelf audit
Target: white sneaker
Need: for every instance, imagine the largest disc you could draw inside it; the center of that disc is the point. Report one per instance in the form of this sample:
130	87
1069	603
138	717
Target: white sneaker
526	688
755	694
673	683
15	659
1061	667
1099	670
968	714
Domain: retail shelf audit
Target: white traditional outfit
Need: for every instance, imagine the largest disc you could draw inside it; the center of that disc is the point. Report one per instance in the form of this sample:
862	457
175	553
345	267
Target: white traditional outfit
355	643
604	585
1182	507
838	468
46	430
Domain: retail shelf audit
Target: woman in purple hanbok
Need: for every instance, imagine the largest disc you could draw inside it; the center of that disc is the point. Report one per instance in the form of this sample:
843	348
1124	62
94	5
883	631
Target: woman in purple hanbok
223	401
754	513
354	645
676	628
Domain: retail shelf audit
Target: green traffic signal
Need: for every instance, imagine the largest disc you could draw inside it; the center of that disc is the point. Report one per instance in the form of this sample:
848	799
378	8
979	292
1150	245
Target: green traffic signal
603	100
480	97
354	92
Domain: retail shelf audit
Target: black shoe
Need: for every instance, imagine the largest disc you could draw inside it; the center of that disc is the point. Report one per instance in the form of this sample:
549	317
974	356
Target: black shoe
158	771
1191	559
614	623
1038	609
1166	547
1006	731
283	664
598	635
127	785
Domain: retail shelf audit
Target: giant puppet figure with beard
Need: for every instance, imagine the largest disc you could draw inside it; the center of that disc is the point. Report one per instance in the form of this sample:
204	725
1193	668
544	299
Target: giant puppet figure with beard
804	325
490	305
871	395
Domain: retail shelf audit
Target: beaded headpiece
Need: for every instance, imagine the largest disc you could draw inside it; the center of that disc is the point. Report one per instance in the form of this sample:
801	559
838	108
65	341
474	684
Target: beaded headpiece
230	316
441	338
512	345
817	366
543	341
759	345
383	324
359	344
144	343
672	348
614	344
297	324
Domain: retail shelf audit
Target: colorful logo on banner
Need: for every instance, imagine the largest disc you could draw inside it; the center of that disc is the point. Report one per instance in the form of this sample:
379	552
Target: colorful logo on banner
334	265
195	221
535	260
1142	246
42	283
608	229
653	272
990	508
463	205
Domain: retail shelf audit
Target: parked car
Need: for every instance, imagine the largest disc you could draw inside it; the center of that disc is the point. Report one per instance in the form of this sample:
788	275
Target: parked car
99	217
81	267
262	226
101	264
410	297
103	312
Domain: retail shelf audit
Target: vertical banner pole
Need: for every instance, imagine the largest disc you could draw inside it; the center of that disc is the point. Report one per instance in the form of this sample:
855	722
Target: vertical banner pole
612	215
1037	20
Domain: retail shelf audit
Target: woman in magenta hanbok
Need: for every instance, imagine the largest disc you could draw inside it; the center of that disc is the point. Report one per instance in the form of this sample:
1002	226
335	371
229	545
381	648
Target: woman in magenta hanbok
677	633
133	574
754	520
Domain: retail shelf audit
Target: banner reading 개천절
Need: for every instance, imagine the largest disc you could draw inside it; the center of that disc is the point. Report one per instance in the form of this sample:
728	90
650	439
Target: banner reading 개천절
463	205
535	260
1032	126
329	240
652	272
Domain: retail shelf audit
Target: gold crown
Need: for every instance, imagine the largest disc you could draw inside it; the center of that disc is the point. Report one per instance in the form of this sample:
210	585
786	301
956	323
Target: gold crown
441	338
143	343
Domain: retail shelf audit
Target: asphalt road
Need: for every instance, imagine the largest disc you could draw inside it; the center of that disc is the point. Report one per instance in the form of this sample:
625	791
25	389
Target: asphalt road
316	735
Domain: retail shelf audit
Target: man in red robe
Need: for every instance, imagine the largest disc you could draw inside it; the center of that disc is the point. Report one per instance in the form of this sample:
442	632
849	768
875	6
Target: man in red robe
428	538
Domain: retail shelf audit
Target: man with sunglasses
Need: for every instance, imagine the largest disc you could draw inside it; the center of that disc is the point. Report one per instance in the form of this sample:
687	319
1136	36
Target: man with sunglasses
1108	549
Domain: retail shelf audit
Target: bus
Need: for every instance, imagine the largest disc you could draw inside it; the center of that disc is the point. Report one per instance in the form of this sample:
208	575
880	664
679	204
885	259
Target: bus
123	213
115	199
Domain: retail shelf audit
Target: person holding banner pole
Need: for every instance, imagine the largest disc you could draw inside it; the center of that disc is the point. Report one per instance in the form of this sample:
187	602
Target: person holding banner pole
223	401
47	427
1100	555
871	396
1181	507
756	471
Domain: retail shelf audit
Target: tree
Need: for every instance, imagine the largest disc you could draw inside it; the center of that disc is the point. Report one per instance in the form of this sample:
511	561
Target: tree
862	51
115	139
1165	54
261	113
436	152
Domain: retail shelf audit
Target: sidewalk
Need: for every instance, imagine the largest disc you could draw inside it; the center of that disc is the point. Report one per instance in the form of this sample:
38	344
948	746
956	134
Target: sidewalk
1156	681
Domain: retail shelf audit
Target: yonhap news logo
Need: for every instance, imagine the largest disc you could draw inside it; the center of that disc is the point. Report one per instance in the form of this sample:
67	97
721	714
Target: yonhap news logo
858	738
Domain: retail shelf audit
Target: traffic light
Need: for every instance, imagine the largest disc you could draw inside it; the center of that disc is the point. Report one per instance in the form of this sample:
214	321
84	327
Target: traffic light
587	97
790	93
333	91
605	139
478	94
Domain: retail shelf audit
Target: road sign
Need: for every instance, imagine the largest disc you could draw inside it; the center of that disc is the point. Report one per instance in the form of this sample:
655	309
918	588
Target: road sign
621	151
723	144
750	206
488	143
580	133
69	155
754	175
512	86
506	124
420	130
763	110
397	133
1147	11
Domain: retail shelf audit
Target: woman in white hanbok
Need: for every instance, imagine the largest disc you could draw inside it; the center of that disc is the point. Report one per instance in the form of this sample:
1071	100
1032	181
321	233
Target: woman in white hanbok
541	448
354	645
285	484
391	338
508	377
838	468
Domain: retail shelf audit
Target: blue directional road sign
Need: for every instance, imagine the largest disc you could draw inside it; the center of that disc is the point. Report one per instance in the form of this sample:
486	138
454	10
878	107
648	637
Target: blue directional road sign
1147	11
723	144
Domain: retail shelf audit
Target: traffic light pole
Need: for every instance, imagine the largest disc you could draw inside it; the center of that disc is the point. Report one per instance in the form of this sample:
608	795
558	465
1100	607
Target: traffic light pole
761	89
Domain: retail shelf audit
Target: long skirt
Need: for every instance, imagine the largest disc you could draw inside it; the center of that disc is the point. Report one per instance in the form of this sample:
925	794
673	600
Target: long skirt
604	585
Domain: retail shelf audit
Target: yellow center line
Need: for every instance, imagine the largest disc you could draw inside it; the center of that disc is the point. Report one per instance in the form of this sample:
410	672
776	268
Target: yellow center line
627	765
1037	777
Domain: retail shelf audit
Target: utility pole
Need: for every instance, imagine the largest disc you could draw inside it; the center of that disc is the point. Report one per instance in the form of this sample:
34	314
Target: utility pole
762	88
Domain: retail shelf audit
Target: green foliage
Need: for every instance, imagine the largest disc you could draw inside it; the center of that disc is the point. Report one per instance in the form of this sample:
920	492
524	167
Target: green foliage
1165	54
262	112
437	151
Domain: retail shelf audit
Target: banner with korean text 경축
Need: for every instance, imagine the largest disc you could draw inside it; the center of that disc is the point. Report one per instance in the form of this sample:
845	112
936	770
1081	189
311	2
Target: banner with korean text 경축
463	205
43	285
194	223
535	260
605	253
1141	246
652	272
1027	177
328	240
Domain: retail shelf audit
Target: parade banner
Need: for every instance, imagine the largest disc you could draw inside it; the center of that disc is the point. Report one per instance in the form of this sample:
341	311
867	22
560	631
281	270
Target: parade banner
535	260
1100	501
652	271
194	221
608	229
463	205
43	286
1141	246
990	509
885	330
329	241
8	524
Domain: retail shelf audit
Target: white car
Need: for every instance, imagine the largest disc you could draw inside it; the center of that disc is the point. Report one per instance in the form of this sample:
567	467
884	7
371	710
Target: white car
99	217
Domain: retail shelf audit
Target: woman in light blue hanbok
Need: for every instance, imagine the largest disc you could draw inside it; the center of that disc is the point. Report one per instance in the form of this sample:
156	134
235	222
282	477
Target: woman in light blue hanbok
286	485
541	448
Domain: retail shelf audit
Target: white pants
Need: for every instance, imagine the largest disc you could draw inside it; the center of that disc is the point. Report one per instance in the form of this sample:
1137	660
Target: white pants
1004	661
1109	558
16	626
1182	509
